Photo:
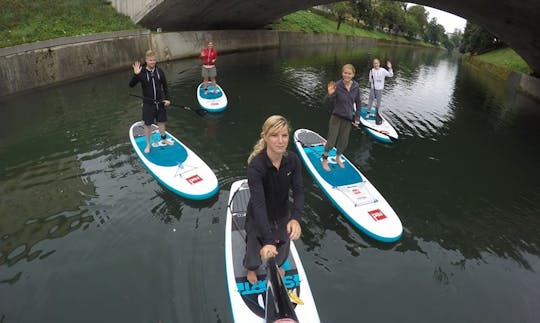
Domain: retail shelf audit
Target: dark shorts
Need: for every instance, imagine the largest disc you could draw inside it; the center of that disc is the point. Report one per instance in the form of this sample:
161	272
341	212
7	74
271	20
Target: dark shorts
151	112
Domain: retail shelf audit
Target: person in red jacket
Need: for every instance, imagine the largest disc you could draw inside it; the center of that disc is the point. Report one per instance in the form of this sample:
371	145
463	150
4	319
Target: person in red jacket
208	56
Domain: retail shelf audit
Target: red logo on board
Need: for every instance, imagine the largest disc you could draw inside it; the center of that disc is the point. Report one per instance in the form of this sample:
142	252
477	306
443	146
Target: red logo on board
194	179
356	191
377	215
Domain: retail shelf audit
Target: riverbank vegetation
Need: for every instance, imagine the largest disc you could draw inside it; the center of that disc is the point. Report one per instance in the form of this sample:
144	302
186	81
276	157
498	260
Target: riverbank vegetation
507	58
23	21
312	21
487	48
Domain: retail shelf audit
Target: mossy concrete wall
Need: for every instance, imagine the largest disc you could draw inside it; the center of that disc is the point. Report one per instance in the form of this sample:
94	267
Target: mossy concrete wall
46	63
36	65
27	67
524	83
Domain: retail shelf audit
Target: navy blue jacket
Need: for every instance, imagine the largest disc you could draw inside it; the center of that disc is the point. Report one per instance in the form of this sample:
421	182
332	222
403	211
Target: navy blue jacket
344	101
269	187
152	83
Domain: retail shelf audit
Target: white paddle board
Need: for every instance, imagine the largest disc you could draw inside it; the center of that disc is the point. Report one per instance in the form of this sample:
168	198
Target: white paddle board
384	132
212	99
176	167
348	189
247	300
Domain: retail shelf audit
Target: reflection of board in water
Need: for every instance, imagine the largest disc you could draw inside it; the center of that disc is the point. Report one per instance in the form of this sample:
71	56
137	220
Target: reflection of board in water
247	300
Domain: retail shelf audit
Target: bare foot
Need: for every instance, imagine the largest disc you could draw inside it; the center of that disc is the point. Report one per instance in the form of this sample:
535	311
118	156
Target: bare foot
339	162
147	149
252	277
325	165
168	142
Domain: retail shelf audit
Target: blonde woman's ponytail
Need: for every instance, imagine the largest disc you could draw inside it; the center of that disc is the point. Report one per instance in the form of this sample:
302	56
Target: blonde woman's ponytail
257	149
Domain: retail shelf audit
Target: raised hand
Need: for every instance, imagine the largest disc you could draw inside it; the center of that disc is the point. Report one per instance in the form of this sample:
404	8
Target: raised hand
137	67
389	64
331	87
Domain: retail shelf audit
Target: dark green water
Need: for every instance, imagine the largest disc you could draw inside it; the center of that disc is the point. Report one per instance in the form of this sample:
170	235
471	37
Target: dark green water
87	235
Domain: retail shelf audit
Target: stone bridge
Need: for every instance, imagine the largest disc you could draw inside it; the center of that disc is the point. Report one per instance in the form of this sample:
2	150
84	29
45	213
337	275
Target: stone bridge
512	21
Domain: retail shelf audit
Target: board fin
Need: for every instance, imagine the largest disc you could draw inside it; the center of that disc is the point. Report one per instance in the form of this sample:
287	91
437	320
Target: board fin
294	298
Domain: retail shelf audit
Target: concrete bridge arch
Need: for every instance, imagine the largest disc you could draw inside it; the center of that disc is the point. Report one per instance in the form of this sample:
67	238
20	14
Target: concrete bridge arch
512	21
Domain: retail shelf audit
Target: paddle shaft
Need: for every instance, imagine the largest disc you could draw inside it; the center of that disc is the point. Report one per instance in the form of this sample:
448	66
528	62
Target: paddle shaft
198	111
278	305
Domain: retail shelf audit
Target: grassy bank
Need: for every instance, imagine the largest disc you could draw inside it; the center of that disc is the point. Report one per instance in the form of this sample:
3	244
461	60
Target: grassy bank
23	21
305	20
506	58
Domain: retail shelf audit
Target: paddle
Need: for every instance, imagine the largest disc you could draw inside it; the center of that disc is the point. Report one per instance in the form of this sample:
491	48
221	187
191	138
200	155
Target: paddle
278	307
200	112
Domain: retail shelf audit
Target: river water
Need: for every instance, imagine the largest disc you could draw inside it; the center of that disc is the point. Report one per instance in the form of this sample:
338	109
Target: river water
87	235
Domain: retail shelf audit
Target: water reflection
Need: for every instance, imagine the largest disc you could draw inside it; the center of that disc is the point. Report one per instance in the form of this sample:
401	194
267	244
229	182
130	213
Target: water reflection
462	179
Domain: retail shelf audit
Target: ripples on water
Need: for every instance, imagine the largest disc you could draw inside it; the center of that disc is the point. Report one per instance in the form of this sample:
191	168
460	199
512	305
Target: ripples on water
81	218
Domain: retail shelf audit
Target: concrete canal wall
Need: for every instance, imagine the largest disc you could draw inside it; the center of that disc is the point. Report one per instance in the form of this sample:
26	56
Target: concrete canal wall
36	65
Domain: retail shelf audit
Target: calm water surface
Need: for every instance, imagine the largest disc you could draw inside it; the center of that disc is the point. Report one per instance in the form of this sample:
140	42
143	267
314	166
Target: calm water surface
87	235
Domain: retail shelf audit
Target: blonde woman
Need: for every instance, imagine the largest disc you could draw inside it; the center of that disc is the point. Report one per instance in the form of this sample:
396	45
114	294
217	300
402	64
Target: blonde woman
272	171
343	95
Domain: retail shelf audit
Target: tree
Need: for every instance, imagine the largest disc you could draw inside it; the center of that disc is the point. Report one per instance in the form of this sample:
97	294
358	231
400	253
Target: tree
478	40
412	28
392	15
456	37
420	15
340	10
362	10
435	32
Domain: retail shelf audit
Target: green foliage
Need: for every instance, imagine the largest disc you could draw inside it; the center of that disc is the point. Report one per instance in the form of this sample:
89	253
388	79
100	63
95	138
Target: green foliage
478	40
308	21
392	15
24	21
435	32
420	16
506	57
340	11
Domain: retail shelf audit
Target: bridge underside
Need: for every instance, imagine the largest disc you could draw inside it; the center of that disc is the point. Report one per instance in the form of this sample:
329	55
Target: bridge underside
512	21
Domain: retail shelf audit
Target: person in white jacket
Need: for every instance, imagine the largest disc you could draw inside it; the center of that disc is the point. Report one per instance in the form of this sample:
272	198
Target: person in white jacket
376	81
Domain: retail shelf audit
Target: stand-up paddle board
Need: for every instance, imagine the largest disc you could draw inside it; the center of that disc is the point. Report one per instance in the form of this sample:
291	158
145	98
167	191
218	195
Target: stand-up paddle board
176	167
247	300
348	189
384	132
212	99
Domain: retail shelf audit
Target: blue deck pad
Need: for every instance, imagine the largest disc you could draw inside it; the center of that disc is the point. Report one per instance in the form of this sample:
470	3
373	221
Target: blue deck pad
337	176
246	288
363	113
210	95
163	155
